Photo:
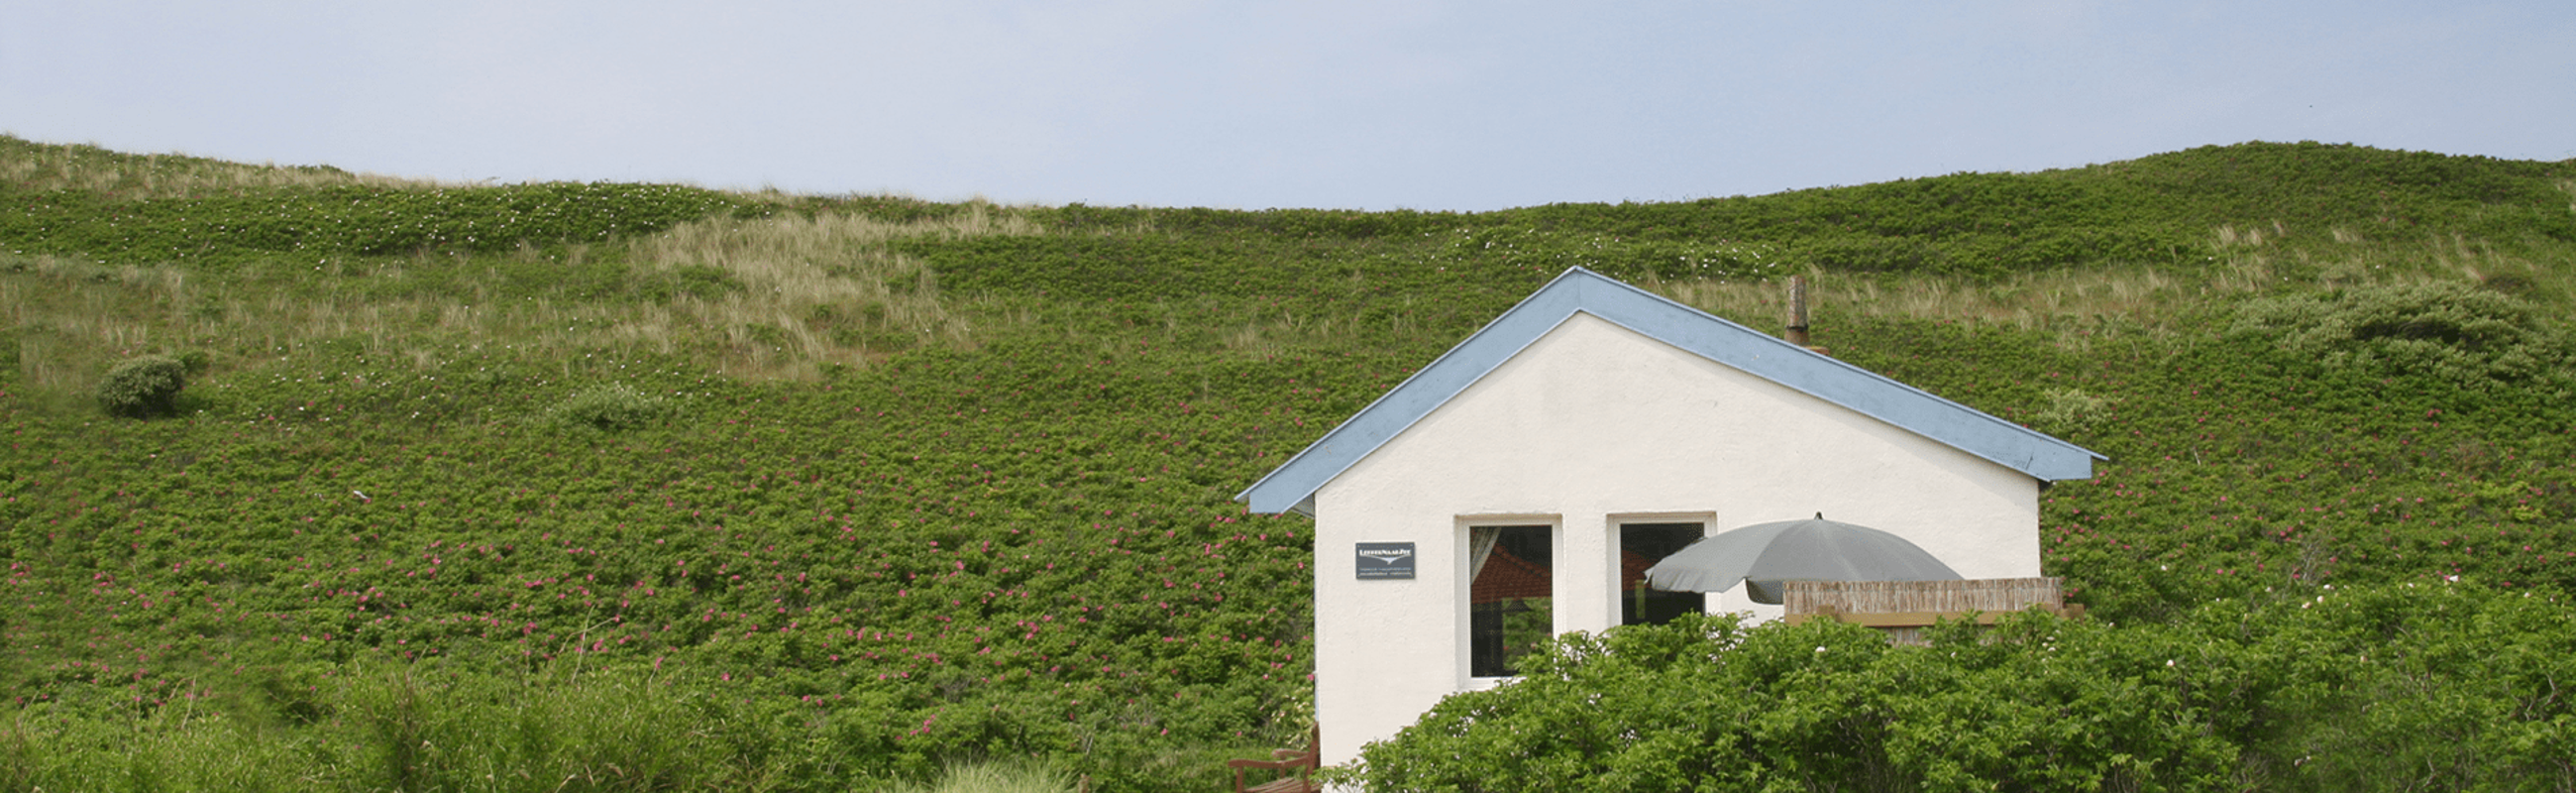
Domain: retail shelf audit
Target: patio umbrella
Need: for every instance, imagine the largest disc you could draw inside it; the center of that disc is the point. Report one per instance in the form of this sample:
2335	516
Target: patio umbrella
1765	554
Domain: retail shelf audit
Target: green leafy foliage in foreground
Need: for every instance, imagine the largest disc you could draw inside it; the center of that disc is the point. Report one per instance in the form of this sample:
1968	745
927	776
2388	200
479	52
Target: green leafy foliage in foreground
1011	535
398	729
2407	687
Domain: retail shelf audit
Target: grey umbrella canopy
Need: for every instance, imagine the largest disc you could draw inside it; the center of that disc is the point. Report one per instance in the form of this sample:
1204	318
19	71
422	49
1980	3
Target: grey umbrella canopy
1765	554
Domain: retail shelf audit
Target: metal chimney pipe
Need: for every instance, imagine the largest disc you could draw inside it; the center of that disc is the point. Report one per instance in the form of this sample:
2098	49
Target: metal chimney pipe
1797	331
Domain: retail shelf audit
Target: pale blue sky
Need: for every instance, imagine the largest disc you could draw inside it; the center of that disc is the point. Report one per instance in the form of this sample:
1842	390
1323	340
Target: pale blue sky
1322	103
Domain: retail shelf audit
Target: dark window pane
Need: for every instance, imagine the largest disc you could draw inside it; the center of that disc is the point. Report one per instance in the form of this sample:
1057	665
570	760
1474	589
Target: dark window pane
1641	545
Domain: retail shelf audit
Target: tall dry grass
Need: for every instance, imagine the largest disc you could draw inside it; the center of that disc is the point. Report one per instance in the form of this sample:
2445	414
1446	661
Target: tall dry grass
2037	301
2109	303
996	776
805	293
801	295
815	290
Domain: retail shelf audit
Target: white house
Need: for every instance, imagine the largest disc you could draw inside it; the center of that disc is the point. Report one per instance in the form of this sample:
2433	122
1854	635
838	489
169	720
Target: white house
1516	485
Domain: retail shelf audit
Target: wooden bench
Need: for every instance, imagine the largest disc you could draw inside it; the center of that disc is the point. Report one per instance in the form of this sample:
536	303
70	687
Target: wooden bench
1298	765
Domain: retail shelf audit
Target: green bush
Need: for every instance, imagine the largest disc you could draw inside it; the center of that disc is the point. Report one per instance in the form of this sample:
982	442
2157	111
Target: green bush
2450	330
144	386
407	730
611	408
2375	688
1706	704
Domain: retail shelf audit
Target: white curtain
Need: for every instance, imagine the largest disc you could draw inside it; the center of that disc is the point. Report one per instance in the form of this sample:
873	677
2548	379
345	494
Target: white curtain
1480	544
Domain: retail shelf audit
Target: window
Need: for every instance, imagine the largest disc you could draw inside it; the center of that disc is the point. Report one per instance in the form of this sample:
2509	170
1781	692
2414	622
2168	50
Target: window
1641	545
1510	595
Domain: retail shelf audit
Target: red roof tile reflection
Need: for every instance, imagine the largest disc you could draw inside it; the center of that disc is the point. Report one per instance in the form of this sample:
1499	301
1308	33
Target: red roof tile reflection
1508	577
1632	570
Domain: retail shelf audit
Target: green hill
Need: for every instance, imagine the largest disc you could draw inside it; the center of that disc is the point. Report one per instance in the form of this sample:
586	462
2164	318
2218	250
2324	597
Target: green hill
842	487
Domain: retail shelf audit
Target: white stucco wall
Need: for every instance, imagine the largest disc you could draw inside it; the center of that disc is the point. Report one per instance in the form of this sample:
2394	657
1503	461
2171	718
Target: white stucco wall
1592	426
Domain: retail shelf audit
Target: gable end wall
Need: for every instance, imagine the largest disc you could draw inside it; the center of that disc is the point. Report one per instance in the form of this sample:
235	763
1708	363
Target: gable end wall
1590	424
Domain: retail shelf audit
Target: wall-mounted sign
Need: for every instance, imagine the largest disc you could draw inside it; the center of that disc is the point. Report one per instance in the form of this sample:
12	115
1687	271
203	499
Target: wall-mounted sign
1386	560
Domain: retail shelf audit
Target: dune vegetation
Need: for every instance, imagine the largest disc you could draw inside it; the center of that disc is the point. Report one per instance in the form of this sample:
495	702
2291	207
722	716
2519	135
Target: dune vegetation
320	480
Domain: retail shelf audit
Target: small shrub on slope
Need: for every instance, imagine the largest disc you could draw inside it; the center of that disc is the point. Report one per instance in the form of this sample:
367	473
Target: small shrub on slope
610	408
143	387
2453	331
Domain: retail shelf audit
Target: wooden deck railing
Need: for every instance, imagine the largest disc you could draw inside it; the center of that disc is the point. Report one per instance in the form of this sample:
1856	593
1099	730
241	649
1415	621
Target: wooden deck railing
1904	608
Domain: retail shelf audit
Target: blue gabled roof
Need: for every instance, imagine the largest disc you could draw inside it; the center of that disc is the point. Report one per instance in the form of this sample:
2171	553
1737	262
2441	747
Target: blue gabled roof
1292	485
